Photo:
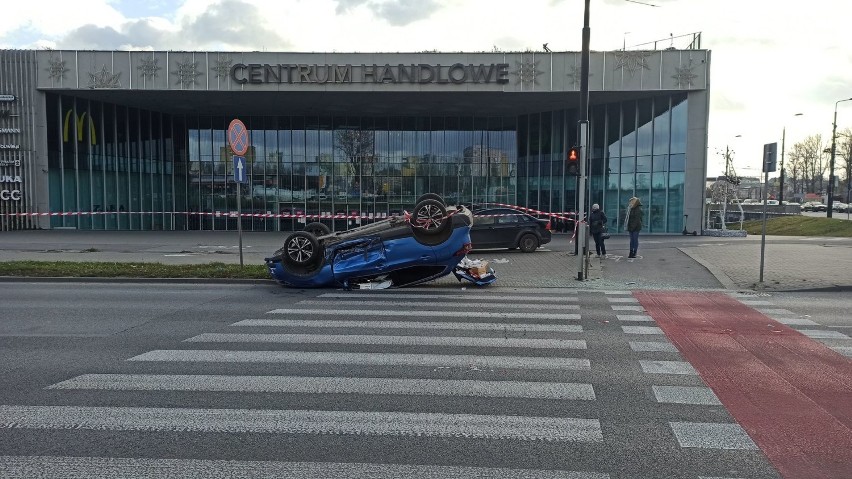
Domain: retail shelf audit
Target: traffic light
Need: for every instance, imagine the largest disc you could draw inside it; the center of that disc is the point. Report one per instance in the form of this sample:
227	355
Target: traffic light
572	165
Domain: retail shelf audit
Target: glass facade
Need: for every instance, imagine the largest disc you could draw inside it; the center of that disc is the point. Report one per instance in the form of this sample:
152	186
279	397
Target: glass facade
147	170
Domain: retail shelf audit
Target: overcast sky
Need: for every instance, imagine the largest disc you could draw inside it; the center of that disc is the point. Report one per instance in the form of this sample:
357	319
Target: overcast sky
770	59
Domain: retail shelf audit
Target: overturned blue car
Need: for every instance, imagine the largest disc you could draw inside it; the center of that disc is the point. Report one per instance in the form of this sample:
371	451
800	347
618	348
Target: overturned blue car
404	249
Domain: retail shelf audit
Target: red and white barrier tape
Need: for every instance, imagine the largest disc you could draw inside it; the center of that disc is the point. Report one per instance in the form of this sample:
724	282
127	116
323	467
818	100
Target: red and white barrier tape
233	214
563	216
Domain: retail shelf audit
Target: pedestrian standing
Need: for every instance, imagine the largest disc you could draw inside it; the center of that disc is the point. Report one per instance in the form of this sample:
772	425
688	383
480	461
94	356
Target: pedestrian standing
597	226
634	218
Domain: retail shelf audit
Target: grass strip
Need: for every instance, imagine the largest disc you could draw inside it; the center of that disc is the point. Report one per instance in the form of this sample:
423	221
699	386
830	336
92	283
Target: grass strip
799	226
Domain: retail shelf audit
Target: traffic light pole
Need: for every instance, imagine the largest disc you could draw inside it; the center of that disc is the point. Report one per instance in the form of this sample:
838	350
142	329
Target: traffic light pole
583	132
582	228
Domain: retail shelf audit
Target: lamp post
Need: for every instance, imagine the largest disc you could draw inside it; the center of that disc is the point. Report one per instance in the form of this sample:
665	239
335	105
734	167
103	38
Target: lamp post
830	204
781	180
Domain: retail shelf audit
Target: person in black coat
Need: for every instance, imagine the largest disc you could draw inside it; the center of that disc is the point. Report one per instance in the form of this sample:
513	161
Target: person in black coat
634	220
597	226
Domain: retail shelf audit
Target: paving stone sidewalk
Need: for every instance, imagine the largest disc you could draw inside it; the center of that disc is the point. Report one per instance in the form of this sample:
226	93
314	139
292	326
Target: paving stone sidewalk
825	264
664	262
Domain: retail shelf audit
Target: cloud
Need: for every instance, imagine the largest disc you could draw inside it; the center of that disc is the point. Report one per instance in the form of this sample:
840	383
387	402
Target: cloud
93	37
397	13
215	27
235	23
344	6
402	12
721	102
138	34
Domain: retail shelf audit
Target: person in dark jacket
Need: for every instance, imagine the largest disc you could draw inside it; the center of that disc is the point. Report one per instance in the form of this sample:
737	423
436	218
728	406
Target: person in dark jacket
635	215
597	226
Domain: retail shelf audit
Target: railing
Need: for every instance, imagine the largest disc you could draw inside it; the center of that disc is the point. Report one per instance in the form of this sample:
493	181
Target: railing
694	40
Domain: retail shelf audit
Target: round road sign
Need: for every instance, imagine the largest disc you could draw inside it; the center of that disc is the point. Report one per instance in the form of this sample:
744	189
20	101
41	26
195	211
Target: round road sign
238	137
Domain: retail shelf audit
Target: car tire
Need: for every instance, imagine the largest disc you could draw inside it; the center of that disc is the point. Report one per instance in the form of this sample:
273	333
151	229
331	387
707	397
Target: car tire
528	243
301	249
430	218
430	196
317	229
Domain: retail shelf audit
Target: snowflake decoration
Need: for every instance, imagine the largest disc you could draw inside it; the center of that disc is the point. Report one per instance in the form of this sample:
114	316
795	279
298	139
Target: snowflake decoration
527	72
149	68
223	67
186	72
56	68
684	76
104	79
632	61
575	74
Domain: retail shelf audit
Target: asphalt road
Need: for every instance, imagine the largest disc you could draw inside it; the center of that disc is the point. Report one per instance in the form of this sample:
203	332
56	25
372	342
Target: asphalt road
291	383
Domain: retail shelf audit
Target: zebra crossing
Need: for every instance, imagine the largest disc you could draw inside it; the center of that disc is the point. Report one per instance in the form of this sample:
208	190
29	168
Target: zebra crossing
527	384
836	340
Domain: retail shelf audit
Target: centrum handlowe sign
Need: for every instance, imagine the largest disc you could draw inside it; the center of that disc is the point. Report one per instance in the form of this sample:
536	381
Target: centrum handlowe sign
458	73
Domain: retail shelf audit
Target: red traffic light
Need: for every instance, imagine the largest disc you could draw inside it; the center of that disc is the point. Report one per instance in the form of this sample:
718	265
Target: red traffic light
573	164
574	153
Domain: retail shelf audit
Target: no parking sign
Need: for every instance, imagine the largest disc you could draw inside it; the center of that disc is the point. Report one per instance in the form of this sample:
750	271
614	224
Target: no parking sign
238	137
239	143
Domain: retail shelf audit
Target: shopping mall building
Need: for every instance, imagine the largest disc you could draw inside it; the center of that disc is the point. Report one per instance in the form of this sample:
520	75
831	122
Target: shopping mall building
136	140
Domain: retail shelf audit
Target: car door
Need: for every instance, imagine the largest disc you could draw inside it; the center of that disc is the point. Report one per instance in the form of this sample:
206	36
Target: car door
506	229
482	232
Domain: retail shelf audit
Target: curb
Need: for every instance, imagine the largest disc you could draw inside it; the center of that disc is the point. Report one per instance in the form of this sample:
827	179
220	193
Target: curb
820	289
720	275
86	279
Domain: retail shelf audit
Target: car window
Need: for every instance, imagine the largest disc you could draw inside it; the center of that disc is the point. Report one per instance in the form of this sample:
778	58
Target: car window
509	219
483	220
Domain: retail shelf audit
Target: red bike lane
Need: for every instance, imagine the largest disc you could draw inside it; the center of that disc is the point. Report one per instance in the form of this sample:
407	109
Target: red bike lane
791	394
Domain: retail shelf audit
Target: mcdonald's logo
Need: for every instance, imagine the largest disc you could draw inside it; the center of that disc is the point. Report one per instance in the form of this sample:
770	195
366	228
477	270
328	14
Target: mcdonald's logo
79	124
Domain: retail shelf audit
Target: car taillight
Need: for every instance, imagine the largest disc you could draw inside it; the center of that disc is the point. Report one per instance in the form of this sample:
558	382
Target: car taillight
464	249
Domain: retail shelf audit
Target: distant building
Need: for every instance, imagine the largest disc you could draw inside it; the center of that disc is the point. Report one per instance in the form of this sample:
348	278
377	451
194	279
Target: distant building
142	134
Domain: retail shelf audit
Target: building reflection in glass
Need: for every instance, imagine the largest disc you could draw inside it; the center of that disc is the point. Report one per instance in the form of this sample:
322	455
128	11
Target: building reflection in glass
148	169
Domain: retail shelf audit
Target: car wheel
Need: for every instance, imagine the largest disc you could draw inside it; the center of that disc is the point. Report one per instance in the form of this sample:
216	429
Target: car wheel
430	218
317	229
301	249
528	243
430	196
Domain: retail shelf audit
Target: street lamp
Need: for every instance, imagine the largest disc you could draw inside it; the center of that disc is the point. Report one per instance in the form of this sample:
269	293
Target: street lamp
781	180
830	204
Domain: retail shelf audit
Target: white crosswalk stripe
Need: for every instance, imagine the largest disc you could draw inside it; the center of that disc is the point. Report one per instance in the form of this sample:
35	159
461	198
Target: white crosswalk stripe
412	325
454	341
503	297
430	304
523	428
331	385
365	359
422	312
634	317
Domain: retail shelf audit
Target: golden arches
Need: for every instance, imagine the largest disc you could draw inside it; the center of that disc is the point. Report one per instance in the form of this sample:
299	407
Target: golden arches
79	122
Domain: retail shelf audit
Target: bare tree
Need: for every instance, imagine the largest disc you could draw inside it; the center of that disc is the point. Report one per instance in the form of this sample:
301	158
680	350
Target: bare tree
843	159
794	174
358	147
809	157
798	169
